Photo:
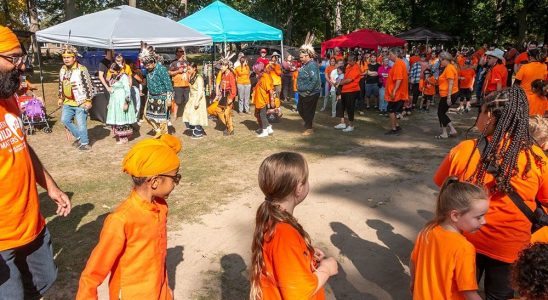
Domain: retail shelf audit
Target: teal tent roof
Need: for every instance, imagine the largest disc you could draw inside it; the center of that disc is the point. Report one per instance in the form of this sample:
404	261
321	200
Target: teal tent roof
225	24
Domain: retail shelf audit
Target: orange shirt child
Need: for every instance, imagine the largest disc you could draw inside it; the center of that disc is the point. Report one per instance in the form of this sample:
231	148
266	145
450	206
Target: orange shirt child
354	73
444	265
261	95
428	86
538	105
398	72
289	262
276	73
466	76
497	74
20	218
529	73
499	238
328	70
450	72
242	74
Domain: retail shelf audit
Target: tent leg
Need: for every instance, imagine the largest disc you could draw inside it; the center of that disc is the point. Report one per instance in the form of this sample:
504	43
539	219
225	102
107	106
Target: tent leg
282	48
39	54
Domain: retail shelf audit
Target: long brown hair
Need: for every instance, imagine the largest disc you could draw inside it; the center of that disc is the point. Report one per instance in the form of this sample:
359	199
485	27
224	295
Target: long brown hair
279	176
454	195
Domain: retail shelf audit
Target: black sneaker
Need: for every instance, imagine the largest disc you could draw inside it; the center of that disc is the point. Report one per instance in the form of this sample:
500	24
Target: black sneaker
398	128
84	147
392	132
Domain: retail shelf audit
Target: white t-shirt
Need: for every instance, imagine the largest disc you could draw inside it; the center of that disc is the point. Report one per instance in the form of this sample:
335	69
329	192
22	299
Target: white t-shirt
333	77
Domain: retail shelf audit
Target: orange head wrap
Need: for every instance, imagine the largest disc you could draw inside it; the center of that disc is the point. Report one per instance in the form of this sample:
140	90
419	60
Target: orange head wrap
8	40
152	157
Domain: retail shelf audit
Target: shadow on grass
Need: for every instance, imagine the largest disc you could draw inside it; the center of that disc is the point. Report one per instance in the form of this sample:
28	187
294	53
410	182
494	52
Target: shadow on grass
234	285
343	289
173	259
98	133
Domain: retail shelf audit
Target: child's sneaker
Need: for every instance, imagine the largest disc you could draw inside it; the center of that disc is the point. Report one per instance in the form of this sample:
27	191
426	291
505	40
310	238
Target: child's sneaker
263	134
340	126
269	129
348	129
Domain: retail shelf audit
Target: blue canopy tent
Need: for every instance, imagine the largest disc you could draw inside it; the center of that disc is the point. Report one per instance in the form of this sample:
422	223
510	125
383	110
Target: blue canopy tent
225	24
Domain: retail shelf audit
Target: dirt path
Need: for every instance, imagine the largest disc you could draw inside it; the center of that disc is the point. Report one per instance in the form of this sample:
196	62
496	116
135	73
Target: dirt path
361	210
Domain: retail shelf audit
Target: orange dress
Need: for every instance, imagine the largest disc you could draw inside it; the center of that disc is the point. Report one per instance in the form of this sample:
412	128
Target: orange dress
507	231
20	218
288	263
445	265
132	248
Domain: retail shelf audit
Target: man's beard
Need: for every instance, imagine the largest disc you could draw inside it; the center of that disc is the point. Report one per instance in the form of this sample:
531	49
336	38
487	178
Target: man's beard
9	83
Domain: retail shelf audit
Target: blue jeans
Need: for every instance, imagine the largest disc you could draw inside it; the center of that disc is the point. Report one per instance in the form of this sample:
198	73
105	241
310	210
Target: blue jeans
80	115
382	103
28	271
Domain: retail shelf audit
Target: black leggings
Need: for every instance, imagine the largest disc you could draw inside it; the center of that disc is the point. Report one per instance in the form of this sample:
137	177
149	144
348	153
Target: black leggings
347	103
497	277
443	108
307	109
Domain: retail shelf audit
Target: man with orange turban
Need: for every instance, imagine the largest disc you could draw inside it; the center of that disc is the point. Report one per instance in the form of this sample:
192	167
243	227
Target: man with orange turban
27	269
133	243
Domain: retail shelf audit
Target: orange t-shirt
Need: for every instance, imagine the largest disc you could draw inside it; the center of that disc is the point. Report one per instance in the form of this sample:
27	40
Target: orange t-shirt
20	218
507	231
132	247
276	74
497	74
444	265
398	72
461	61
261	95
339	56
466	77
428	86
242	74
538	105
522	58
328	70
354	73
529	73
363	67
540	236
450	72
289	263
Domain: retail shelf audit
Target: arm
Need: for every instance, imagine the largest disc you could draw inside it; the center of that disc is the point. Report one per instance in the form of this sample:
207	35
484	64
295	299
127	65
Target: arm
106	253
232	83
450	91
44	179
103	81
471	295
396	87
88	87
412	271
328	267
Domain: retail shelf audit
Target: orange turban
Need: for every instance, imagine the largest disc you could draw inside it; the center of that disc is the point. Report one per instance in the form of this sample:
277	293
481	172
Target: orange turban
152	157
8	40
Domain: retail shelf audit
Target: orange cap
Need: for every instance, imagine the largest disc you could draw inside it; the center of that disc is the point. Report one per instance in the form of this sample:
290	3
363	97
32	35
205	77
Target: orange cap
8	40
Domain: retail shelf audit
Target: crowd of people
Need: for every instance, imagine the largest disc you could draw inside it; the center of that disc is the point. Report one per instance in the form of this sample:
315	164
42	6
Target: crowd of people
489	222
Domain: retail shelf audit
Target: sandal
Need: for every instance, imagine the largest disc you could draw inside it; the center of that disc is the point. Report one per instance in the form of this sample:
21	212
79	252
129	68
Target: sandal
441	137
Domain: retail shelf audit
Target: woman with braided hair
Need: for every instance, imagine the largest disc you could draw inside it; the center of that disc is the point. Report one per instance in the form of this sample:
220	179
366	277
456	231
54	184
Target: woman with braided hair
509	162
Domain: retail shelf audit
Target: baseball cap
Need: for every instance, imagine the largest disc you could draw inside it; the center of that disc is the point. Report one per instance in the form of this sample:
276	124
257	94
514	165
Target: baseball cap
263	50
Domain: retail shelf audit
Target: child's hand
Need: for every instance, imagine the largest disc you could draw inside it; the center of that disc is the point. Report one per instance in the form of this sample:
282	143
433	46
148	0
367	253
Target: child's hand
330	265
318	254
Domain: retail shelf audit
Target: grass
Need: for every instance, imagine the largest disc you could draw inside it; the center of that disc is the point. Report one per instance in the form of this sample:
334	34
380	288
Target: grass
215	170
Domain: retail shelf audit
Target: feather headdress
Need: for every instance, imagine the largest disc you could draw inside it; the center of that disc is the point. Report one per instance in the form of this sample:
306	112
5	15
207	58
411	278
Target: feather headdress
68	49
307	47
148	54
225	61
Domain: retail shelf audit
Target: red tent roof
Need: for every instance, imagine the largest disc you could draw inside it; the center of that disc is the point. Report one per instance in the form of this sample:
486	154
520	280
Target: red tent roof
363	38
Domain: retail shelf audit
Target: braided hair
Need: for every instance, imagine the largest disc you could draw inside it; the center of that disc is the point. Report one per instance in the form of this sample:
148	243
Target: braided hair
510	137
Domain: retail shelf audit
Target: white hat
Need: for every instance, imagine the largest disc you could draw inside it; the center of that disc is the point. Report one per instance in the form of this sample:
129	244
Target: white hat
275	54
496	53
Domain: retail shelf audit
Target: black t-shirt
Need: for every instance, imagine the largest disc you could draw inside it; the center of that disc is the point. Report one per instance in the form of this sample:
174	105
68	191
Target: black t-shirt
104	65
372	79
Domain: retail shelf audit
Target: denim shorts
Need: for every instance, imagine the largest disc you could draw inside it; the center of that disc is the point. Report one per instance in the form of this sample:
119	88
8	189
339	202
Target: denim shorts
28	271
371	89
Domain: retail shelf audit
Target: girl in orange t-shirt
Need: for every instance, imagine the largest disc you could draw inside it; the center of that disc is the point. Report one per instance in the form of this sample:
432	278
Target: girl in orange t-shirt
284	265
510	162
428	89
443	262
449	87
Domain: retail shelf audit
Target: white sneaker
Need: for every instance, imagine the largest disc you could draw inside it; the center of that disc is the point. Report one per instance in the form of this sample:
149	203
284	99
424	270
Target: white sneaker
269	129
340	126
348	129
263	134
169	124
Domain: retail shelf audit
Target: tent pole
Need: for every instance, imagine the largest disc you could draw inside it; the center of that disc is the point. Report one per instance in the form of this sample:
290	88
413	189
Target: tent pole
39	54
282	48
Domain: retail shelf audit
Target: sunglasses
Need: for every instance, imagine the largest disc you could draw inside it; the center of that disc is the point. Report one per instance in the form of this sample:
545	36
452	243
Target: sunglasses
176	178
15	60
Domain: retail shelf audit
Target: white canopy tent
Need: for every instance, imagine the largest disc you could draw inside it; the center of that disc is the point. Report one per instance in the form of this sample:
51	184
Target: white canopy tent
122	27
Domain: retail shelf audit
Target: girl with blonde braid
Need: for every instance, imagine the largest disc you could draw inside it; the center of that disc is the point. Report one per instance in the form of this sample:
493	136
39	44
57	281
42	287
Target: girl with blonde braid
284	263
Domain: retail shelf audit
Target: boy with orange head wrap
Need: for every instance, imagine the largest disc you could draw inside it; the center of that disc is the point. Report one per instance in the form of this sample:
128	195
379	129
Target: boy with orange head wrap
133	242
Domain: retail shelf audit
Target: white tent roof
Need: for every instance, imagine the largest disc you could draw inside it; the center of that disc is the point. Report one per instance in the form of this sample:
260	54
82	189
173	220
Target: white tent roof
123	27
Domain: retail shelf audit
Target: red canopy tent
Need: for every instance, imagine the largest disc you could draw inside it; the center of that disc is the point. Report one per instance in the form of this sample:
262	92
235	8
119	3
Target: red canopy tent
363	38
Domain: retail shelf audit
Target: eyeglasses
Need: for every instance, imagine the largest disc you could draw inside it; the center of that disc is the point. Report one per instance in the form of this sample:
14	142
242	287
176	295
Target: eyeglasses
15	60
176	178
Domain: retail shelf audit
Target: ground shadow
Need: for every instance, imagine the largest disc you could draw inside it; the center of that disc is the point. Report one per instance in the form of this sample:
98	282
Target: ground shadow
250	125
376	263
173	259
397	243
98	133
4	271
234	284
425	214
48	208
344	290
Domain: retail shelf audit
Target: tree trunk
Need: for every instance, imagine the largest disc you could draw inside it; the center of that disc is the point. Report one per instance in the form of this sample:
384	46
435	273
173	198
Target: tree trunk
70	9
6	12
357	14
338	24
133	3
289	24
34	25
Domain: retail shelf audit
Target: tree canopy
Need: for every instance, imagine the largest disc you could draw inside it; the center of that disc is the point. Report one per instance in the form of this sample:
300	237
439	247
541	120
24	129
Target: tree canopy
472	21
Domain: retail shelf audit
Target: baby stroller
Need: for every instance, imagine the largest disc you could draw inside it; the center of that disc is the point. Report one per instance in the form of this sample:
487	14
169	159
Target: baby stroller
33	114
